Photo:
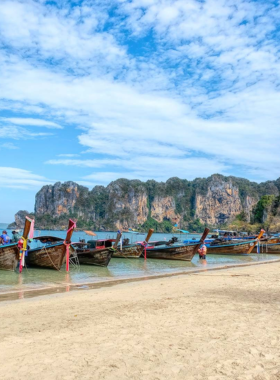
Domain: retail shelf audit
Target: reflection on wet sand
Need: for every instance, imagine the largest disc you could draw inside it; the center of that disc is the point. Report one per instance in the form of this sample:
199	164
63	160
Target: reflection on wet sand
34	282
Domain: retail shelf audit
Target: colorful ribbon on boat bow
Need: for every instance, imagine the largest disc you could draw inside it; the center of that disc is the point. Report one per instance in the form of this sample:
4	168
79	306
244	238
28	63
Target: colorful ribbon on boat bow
22	254
144	244
67	245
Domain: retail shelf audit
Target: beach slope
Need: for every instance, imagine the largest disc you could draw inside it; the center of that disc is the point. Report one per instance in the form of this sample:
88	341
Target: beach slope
213	325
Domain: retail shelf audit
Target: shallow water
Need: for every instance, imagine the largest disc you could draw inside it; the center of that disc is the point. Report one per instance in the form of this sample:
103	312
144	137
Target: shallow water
119	269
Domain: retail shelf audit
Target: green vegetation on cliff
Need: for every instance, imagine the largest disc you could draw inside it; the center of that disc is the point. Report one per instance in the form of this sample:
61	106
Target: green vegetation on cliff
211	201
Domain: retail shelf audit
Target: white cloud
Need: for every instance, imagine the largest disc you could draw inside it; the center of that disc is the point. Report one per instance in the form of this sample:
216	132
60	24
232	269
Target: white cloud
20	179
30	122
145	167
69	34
18	133
199	95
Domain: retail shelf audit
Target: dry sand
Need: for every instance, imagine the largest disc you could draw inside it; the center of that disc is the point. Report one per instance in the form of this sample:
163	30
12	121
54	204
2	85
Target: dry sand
213	325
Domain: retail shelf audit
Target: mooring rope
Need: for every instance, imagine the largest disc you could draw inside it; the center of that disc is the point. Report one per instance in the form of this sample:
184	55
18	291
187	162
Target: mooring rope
51	259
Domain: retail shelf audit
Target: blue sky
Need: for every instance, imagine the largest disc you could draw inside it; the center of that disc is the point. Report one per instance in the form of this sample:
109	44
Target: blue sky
91	91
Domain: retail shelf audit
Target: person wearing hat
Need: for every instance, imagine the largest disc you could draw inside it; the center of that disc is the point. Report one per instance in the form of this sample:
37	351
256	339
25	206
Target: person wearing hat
5	238
16	236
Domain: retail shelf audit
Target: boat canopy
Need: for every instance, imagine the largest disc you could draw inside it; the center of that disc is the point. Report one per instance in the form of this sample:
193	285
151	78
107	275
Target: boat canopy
90	233
183	231
49	239
225	232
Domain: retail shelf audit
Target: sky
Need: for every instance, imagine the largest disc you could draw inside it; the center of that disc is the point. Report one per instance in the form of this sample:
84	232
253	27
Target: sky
95	90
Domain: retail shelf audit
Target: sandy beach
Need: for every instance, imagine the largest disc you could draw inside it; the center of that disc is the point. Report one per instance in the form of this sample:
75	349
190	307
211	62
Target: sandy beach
213	325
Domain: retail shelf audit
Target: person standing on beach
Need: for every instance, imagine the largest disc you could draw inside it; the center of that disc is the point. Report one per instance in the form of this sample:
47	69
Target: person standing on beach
5	238
16	236
202	252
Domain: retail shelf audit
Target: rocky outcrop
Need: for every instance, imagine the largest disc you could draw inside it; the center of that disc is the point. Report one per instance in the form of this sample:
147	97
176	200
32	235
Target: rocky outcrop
164	208
214	201
57	199
127	204
220	204
20	219
248	206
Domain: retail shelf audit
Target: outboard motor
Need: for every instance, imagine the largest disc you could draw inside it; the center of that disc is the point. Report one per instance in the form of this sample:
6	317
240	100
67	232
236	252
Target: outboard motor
173	240
125	241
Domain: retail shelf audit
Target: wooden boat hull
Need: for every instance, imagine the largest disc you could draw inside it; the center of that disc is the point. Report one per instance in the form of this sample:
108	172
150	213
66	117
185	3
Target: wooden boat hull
98	257
229	249
9	256
52	257
132	251
183	253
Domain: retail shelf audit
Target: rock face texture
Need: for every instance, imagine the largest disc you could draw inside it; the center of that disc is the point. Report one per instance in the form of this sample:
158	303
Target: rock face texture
220	204
214	201
164	208
20	219
127	203
57	199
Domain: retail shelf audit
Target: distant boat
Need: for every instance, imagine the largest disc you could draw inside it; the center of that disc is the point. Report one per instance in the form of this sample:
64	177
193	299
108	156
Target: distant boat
174	250
132	251
96	252
229	247
52	254
233	247
269	245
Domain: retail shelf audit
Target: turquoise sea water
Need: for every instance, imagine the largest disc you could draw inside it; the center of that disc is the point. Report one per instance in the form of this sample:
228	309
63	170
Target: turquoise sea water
119	269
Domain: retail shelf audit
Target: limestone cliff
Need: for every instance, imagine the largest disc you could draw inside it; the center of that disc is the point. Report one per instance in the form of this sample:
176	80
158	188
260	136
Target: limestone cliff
57	199
127	203
214	201
222	202
20	219
164	208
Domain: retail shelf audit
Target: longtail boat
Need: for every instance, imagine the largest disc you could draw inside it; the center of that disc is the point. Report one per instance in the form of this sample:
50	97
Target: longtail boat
97	252
175	251
269	245
53	253
9	253
132	251
233	247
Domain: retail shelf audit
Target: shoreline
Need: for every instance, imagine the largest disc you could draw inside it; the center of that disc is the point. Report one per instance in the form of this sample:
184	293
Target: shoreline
17	295
212	325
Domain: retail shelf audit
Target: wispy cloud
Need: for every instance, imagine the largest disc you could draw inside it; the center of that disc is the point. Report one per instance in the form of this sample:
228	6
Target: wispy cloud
31	122
142	167
20	179
156	88
18	133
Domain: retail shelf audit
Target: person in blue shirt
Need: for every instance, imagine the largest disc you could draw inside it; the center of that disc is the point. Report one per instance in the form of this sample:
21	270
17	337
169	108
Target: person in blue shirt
5	238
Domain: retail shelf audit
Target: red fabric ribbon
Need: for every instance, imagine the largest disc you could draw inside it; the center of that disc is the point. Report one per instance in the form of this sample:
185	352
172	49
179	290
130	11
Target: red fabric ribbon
67	245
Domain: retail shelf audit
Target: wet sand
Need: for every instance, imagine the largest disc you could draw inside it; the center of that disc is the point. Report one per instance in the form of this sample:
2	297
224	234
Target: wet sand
210	325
